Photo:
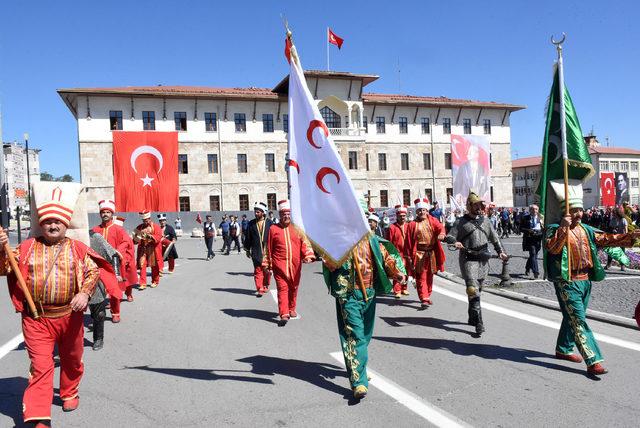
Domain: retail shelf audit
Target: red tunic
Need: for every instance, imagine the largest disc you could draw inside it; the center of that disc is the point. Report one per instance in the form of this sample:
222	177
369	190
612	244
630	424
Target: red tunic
411	243
154	242
118	238
397	235
285	251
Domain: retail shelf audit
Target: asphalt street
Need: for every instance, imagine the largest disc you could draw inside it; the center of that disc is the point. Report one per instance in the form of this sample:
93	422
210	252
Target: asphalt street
201	350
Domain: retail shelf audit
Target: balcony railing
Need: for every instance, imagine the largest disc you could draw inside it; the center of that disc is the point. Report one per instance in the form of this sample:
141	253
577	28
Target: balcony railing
346	132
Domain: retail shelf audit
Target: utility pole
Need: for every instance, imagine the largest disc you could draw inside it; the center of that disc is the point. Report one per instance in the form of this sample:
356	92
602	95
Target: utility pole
4	203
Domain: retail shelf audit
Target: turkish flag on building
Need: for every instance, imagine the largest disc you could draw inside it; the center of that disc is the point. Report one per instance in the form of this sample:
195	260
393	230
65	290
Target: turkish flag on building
323	200
334	39
607	189
145	171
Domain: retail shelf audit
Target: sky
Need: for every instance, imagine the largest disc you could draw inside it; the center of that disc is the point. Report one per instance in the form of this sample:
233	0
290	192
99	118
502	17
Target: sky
489	51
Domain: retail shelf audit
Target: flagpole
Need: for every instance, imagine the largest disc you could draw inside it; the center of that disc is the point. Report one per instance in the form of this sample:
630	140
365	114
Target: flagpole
563	134
327	42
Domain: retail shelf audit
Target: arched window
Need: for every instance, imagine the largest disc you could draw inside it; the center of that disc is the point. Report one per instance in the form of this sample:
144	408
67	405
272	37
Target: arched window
331	118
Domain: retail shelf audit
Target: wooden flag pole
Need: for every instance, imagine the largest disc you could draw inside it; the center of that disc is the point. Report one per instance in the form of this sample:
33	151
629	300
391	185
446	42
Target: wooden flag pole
563	133
21	283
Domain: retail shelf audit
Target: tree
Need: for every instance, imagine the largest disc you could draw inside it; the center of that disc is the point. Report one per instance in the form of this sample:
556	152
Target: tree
66	178
45	176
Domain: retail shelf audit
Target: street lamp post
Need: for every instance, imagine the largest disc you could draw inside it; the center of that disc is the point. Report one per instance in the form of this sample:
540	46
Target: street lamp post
26	143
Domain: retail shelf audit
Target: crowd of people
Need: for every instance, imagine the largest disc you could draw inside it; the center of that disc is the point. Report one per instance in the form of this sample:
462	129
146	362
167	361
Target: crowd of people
53	278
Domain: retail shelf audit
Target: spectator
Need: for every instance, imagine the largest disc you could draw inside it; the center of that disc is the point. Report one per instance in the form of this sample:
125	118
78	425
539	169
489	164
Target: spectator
504	222
450	219
234	235
209	236
273	219
178	223
436	212
224	227
618	224
531	226
244	224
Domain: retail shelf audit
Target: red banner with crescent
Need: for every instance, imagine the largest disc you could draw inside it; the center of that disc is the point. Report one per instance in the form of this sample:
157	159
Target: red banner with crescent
145	171
608	189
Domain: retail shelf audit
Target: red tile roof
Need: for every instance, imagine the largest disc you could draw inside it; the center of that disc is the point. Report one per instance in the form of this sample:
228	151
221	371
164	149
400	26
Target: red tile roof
435	101
177	91
613	151
522	162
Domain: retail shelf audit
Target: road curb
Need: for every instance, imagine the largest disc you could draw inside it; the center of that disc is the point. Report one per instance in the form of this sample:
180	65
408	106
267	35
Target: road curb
549	304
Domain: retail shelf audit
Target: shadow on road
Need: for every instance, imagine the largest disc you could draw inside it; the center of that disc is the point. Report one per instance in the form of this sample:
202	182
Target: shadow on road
251	313
482	350
203	374
392	301
317	374
11	390
437	323
236	291
240	273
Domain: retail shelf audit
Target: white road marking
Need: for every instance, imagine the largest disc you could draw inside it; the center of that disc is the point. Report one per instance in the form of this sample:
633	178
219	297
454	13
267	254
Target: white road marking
536	320
11	345
608	278
274	294
417	405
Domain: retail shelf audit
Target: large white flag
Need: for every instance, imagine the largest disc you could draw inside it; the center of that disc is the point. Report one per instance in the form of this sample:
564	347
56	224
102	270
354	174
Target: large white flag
323	201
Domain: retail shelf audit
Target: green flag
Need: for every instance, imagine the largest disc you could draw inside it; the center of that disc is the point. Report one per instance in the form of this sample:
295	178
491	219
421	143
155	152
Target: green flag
580	167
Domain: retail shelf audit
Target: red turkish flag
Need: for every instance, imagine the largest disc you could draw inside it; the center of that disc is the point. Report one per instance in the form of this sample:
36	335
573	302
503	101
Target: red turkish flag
608	189
145	171
334	39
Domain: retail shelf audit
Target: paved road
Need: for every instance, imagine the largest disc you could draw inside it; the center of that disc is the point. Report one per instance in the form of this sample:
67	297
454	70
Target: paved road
618	294
202	350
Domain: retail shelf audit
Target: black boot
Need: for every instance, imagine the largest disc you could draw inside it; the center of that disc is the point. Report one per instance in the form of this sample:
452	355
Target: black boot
473	316
98	314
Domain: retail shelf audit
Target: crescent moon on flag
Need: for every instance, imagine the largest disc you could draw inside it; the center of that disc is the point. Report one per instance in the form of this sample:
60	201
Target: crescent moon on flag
554	142
324	171
294	164
313	125
608	179
146	149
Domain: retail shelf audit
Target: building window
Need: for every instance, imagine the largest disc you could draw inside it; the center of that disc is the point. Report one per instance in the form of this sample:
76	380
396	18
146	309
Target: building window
447	161
241	122
267	123
449	194
429	194
404	161
404	127
384	198
491	191
210	122
604	165
353	160
634	166
180	118
382	162
243	202
490	160
149	120
214	202
634	182
331	118
115	120
365	124
242	162
615	166
624	166
380	129
426	161
366	161
487	126
270	163
183	166
185	204
212	163
271	202
425	124
406	197
285	122
446	125
466	125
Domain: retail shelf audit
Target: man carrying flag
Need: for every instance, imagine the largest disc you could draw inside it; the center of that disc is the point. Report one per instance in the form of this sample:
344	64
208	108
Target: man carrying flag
324	205
397	235
571	259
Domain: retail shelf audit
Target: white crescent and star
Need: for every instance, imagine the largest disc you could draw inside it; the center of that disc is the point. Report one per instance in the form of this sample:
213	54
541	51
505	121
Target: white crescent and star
146	181
608	179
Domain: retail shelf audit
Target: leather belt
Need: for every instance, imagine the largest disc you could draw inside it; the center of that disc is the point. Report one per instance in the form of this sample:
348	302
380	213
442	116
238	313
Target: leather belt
53	311
424	247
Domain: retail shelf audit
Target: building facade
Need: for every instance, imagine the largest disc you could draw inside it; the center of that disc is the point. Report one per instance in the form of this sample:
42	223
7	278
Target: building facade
15	164
232	142
526	174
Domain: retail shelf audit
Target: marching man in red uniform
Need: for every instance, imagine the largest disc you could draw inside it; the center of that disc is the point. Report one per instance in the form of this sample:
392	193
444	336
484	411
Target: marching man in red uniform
423	250
131	271
397	235
285	252
60	275
117	237
148	236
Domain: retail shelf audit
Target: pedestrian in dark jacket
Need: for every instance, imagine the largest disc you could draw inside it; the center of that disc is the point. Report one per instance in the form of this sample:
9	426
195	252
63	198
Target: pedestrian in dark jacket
255	244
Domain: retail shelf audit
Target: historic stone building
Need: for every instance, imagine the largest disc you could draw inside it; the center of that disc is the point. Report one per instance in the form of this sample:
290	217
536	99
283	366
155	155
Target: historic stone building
233	141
